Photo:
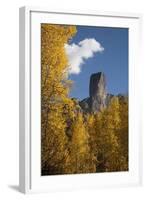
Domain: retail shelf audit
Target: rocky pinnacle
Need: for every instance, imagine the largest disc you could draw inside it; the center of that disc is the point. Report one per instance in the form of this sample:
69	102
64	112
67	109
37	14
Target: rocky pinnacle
97	94
97	91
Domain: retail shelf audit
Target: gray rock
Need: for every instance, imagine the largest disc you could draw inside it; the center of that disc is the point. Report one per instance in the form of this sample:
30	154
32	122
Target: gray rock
108	98
98	96
97	91
85	105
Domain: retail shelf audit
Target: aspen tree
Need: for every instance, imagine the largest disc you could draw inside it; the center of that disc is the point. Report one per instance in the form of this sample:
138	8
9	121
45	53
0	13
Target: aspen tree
54	95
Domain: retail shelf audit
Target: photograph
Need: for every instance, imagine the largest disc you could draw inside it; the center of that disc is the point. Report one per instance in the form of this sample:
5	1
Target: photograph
84	99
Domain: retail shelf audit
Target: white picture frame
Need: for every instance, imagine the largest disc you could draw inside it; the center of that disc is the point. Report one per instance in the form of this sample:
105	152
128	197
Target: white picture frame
29	160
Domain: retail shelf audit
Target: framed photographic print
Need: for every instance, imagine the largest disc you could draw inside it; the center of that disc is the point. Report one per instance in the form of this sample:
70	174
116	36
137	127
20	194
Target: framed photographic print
79	100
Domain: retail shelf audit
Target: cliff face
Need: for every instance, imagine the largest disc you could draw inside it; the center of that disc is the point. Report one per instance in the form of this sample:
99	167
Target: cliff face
97	94
97	91
98	97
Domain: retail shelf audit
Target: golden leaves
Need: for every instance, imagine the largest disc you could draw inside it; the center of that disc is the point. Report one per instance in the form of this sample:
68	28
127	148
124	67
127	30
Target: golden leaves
73	142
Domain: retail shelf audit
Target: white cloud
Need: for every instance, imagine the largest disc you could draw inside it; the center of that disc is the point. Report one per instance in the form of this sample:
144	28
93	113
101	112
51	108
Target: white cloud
78	53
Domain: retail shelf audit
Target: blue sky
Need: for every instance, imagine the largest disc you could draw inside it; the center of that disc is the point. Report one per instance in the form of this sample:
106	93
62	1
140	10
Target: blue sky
113	60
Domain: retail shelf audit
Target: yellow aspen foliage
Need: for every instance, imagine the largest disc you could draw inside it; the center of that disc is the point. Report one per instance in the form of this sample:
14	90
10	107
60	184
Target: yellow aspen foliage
54	143
80	160
73	141
54	60
109	136
123	132
54	96
106	125
92	133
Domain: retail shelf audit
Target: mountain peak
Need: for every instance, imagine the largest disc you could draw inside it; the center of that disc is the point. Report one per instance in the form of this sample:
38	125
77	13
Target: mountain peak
97	91
98	96
97	83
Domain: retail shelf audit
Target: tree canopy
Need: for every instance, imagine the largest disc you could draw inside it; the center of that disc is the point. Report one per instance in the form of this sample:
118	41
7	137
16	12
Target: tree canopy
72	141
